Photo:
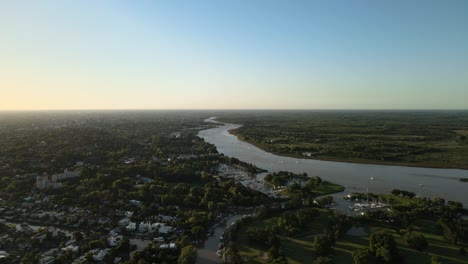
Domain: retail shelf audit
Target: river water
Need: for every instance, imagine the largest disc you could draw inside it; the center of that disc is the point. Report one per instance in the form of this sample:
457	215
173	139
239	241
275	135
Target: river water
355	177
207	254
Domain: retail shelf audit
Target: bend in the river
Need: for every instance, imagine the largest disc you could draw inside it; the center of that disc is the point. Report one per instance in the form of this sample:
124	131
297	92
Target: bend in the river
356	177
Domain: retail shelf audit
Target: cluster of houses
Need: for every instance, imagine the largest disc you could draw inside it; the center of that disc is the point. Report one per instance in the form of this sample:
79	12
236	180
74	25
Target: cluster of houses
98	255
114	237
159	228
37	236
147	227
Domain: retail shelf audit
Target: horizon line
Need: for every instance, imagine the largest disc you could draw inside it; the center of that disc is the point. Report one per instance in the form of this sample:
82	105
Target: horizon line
234	109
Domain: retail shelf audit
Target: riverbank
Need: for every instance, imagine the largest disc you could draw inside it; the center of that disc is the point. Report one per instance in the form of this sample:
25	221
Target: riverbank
356	177
297	241
358	161
208	253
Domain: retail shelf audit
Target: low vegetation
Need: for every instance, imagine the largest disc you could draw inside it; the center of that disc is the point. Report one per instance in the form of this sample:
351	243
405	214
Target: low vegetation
413	138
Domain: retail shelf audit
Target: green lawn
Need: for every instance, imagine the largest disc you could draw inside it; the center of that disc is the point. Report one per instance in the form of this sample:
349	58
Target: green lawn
328	188
324	188
438	246
298	249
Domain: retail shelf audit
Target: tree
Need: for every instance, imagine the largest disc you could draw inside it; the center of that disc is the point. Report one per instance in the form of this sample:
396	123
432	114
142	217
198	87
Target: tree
295	187
323	260
462	251
96	244
156	141
324	201
435	260
123	246
310	183
198	232
29	258
188	255
273	252
322	246
450	230
416	241
318	180
294	202
185	241
234	256
361	256
89	257
78	236
383	246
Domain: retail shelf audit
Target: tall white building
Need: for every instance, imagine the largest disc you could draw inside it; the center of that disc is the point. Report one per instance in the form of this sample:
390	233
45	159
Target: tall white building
52	182
65	175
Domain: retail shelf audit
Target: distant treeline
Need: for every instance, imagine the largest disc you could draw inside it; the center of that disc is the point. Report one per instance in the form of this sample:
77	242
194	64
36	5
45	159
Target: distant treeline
415	138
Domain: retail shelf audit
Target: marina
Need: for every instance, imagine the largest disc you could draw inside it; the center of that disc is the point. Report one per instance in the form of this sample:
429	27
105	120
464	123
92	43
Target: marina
426	182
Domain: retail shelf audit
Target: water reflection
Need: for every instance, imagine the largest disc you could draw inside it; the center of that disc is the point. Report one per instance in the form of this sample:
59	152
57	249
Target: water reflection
355	177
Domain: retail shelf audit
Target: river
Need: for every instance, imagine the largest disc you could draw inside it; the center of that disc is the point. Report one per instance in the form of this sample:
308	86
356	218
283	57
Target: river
207	254
355	177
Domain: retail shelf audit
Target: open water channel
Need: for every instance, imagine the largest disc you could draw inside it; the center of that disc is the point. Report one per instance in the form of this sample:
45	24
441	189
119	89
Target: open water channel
355	177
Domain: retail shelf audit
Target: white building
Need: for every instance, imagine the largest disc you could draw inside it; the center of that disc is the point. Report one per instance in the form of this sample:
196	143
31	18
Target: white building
3	254
164	229
131	226
124	222
149	227
114	240
46	182
43	182
70	248
99	255
166	246
135	202
65	175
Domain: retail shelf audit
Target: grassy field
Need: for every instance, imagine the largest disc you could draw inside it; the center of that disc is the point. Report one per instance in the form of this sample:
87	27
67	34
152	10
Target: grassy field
411	138
328	188
438	246
294	252
298	249
324	188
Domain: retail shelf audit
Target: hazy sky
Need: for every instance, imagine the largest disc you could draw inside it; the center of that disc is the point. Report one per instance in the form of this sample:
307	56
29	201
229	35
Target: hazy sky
233	54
